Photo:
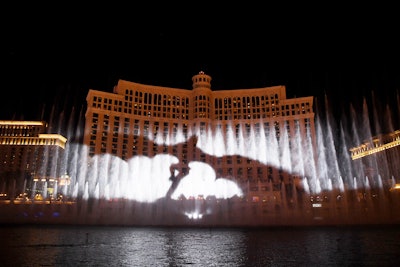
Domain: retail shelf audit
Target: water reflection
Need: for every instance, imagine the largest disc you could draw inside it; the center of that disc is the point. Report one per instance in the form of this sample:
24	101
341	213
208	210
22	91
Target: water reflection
115	246
204	247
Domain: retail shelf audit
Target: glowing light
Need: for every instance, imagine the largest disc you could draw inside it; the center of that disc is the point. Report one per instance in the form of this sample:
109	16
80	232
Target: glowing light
396	187
194	215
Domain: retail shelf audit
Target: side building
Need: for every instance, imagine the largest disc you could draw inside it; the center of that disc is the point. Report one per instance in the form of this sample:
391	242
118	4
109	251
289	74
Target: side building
30	159
379	157
138	119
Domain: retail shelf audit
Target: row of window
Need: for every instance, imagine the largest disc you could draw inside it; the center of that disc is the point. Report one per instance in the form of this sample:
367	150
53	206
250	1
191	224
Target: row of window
167	106
152	129
7	130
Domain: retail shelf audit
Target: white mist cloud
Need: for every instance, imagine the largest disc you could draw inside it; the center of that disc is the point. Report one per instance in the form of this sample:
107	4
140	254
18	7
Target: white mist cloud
201	181
146	179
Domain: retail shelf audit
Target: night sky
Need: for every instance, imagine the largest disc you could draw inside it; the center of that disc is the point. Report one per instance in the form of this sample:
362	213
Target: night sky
50	61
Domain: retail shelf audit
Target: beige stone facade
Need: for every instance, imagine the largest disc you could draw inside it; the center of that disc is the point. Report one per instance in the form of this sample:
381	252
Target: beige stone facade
380	156
28	153
139	119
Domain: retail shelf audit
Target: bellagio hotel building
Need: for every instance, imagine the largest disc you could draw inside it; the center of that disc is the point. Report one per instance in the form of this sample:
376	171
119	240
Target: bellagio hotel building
125	123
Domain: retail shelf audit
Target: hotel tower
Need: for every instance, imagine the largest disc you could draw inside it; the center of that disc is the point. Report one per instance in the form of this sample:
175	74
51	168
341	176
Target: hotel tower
138	119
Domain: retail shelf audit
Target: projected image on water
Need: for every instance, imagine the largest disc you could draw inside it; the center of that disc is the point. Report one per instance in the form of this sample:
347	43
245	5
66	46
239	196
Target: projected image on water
147	179
152	155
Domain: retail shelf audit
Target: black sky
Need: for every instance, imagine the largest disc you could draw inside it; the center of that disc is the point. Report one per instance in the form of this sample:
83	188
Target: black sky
53	59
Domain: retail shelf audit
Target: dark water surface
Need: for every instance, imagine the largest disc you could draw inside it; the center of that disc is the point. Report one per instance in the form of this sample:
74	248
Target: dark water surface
149	246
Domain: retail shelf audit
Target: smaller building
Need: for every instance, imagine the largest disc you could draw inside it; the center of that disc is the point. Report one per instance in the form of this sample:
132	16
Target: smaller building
380	157
27	155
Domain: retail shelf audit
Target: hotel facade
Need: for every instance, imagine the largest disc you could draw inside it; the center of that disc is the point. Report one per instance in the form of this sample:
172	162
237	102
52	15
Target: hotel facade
137	119
28	155
379	156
